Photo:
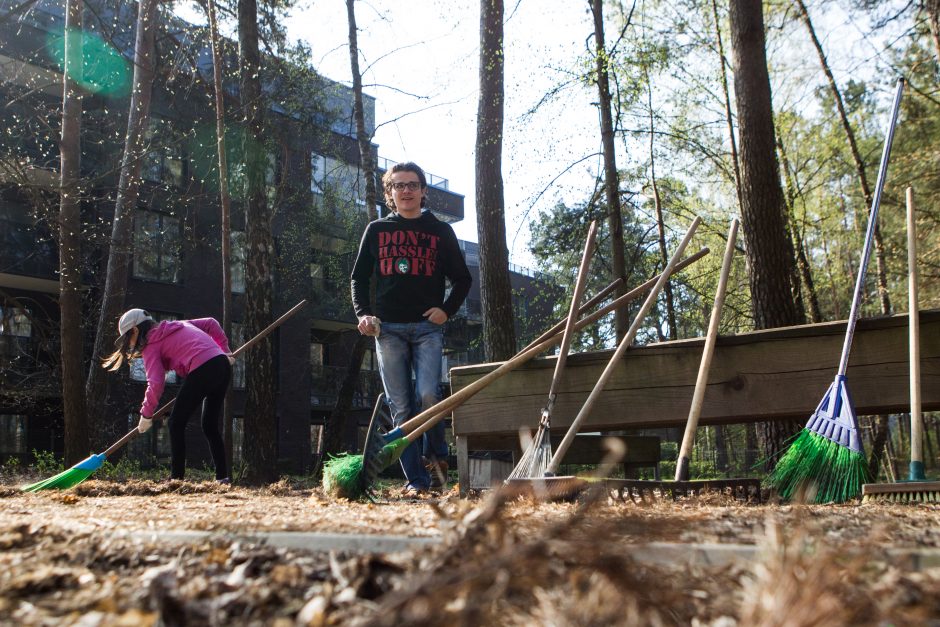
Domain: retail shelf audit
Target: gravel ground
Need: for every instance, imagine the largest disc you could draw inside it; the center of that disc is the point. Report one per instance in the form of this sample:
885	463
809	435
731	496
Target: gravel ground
66	559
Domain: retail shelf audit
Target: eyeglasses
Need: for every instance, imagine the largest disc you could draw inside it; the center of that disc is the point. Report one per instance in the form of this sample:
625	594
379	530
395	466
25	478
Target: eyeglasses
411	186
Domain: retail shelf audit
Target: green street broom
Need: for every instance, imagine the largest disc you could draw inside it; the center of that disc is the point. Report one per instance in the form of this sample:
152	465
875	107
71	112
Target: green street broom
538	453
71	477
916	489
352	476
826	462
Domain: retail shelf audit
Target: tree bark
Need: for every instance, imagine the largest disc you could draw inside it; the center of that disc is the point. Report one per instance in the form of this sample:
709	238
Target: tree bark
334	428
499	334
727	102
660	222
769	248
856	158
933	20
71	327
806	274
122	237
611	177
228	424
260	421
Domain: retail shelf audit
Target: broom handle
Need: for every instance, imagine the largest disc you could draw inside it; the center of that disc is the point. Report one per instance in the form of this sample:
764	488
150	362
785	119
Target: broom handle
160	412
618	354
701	382
917	425
429	417
571	320
870	233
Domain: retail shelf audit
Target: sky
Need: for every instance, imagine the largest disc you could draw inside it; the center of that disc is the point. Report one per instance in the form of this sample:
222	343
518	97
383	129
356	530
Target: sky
420	61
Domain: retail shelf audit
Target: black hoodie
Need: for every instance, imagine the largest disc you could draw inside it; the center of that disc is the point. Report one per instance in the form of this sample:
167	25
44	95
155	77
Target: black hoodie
410	258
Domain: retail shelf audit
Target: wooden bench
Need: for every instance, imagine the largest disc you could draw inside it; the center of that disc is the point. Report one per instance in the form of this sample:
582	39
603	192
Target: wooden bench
762	375
641	451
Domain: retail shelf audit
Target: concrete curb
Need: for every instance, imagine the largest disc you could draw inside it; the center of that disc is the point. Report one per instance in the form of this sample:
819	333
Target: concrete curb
654	553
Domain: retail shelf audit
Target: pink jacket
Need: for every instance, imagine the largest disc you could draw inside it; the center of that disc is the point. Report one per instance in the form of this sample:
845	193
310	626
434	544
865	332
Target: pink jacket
180	345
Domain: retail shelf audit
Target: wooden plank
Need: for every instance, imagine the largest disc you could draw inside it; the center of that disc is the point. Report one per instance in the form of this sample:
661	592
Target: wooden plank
763	375
586	448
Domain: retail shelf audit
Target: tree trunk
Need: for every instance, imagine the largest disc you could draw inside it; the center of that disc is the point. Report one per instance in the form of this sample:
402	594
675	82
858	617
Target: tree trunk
77	443
856	157
727	101
122	236
611	177
334	428
933	19
769	248
806	274
499	333
228	423
260	421
721	449
879	437
660	222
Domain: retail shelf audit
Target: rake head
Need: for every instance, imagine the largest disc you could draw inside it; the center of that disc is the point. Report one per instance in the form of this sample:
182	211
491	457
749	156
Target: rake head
537	456
835	419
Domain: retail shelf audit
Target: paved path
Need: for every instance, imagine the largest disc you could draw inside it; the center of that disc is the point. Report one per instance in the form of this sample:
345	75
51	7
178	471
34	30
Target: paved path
705	554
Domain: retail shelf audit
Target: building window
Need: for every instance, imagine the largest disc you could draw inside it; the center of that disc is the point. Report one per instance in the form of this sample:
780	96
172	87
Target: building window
239	256
15	331
163	161
317	173
138	373
238	370
369	360
317	276
238	438
156	246
12	434
15	321
317	351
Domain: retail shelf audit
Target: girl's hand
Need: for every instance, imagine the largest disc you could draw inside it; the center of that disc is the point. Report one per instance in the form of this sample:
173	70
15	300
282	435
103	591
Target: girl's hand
231	359
144	425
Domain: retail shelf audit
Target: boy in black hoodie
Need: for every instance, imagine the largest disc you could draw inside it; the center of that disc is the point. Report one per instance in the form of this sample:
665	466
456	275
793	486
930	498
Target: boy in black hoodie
411	253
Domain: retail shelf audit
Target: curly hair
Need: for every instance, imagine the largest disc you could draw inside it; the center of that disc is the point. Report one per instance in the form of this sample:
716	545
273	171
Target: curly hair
407	166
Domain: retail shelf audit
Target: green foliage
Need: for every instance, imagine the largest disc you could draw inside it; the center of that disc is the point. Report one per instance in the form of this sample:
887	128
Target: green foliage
45	463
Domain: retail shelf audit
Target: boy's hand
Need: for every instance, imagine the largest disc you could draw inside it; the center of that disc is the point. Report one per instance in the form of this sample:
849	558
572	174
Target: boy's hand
435	315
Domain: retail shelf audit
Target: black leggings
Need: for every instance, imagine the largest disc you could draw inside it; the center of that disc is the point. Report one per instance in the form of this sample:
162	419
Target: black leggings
208	383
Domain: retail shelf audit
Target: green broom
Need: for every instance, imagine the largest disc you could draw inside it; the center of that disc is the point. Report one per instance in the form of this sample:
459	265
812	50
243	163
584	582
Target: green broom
826	462
71	477
351	476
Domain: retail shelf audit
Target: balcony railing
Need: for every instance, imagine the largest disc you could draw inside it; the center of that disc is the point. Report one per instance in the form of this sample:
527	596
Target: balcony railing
433	180
328	379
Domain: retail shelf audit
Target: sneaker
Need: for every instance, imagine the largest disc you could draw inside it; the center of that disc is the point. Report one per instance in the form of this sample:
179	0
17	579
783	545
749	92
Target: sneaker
225	481
412	492
437	469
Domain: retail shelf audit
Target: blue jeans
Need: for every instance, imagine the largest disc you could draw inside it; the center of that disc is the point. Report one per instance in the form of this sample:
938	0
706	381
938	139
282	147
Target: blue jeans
403	349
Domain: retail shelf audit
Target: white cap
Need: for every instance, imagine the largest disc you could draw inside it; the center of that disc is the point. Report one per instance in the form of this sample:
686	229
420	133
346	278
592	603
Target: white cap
130	319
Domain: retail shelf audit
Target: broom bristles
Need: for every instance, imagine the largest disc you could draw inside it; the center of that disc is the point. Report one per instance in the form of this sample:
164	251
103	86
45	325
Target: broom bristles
342	475
819	470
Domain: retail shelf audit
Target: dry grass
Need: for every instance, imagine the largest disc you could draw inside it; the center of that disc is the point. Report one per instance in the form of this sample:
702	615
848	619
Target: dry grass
501	562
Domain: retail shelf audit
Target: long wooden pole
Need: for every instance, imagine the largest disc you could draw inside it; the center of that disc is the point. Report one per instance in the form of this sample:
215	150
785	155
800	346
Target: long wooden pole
701	382
913	312
429	417
618	354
